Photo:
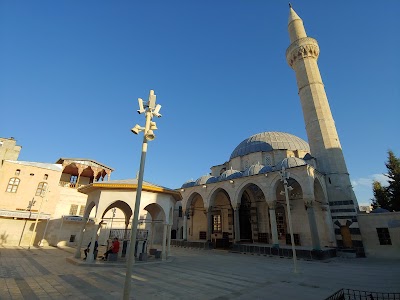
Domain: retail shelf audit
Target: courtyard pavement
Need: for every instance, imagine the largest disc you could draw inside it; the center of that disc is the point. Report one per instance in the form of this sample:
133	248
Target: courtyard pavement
45	273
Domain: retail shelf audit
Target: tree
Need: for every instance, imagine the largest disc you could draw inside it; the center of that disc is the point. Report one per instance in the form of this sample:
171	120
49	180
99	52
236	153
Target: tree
388	197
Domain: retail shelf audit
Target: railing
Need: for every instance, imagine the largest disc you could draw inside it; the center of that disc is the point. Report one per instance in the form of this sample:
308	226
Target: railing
347	294
70	185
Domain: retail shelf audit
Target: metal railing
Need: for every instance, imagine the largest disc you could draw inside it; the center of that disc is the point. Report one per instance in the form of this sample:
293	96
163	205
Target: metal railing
347	294
69	184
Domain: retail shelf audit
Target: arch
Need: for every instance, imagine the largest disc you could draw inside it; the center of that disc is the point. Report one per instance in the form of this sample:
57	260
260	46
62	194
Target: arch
319	193
245	185
215	193
253	212
88	209
196	216
322	193
295	194
192	198
156	212
220	208
122	205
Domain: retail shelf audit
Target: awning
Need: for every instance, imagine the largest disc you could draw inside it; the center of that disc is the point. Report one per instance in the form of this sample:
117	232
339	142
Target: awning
75	219
23	214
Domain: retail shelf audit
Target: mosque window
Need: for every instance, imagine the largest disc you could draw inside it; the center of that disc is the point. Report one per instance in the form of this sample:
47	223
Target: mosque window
46	176
82	210
13	184
17	172
217	226
41	189
268	161
180	212
384	236
73	210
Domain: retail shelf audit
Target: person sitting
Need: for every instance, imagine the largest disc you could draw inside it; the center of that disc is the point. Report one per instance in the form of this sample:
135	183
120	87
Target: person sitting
113	249
96	245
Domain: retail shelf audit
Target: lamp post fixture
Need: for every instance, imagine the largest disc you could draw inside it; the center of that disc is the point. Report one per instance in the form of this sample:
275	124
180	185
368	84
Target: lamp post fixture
284	177
112	218
150	109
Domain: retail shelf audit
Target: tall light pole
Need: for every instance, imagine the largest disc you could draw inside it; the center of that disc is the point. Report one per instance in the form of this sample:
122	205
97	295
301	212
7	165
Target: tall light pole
149	109
42	194
284	177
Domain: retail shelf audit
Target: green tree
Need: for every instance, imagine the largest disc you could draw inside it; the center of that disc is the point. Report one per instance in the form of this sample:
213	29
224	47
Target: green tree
388	197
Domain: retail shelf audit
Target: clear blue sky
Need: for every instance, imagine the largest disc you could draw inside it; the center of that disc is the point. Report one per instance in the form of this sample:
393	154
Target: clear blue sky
71	73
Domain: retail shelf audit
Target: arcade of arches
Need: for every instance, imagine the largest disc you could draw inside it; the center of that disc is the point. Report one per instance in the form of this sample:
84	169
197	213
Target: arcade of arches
254	211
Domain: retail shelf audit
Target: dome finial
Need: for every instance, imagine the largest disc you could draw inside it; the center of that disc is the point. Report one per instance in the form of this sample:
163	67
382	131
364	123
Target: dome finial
290	5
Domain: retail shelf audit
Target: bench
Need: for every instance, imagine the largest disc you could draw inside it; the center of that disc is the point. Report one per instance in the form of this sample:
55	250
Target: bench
112	257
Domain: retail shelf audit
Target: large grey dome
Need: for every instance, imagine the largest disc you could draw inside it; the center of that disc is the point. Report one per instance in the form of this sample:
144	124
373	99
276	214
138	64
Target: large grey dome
268	141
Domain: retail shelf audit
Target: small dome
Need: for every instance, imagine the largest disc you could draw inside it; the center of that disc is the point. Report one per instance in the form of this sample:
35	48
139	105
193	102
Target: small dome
290	162
203	179
212	179
230	174
308	156
269	141
253	170
379	210
188	183
266	169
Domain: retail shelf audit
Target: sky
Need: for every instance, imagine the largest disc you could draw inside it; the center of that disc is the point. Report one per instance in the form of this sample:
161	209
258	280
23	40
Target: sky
71	73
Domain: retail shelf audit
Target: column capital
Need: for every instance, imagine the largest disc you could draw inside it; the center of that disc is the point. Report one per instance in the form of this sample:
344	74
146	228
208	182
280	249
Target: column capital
81	168
308	203
272	204
324	207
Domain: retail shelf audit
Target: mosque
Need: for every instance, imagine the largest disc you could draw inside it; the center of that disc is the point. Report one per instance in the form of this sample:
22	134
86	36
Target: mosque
242	201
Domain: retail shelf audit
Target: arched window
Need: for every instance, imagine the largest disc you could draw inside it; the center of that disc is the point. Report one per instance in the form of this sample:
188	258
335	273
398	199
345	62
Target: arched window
13	184
17	172
41	189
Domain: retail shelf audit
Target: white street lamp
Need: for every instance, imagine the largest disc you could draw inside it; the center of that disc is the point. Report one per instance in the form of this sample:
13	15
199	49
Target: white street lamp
285	176
42	194
150	109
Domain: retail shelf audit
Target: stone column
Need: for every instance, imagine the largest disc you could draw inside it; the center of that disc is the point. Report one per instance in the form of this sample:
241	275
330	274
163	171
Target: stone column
313	226
274	228
95	173
169	241
236	224
209	224
108	174
82	231
152	234
90	256
329	225
164	239
80	170
185	227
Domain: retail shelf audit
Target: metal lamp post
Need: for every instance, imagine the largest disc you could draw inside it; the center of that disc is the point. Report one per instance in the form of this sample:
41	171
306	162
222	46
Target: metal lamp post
285	176
42	194
150	109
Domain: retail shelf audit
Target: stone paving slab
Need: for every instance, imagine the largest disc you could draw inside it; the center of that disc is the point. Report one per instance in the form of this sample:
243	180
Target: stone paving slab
45	273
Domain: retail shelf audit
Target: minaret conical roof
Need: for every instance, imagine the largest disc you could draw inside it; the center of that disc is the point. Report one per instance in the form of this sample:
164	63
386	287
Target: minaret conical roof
295	26
293	15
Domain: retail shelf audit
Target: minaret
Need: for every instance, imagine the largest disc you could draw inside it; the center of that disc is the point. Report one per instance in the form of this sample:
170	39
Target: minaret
302	56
